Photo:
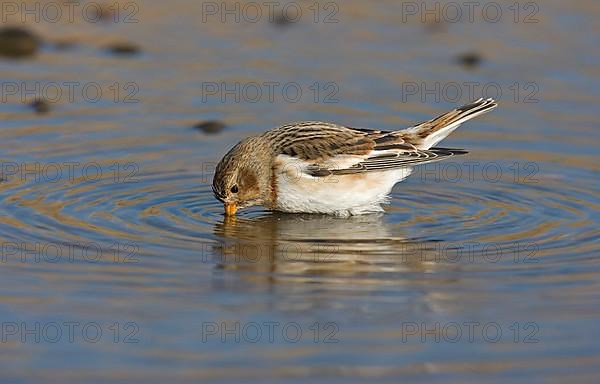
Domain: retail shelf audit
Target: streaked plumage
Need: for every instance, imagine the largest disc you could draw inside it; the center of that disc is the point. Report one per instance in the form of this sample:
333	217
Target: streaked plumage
328	168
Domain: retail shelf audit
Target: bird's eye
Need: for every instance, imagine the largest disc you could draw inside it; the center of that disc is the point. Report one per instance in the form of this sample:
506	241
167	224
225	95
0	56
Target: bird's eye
234	189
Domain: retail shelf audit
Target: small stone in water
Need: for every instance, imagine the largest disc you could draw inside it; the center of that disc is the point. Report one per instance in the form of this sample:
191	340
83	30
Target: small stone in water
470	59
211	126
124	49
104	13
40	106
63	45
281	20
18	42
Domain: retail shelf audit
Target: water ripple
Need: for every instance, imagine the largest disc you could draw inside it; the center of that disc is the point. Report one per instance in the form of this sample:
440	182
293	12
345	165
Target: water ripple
174	212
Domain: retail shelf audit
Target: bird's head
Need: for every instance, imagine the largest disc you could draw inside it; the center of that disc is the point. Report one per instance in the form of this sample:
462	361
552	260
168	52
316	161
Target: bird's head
243	176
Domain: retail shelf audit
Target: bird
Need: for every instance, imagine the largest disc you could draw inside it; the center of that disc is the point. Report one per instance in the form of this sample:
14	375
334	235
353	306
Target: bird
326	168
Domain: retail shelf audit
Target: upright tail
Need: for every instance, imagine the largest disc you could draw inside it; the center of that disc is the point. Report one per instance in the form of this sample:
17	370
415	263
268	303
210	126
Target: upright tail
431	132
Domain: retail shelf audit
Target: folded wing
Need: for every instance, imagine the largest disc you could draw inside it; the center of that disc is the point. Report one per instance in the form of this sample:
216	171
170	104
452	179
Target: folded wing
323	149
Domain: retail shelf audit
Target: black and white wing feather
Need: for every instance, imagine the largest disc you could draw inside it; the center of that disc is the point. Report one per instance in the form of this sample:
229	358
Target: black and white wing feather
324	149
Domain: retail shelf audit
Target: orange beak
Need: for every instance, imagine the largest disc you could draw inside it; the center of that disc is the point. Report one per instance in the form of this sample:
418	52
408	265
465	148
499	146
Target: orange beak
230	209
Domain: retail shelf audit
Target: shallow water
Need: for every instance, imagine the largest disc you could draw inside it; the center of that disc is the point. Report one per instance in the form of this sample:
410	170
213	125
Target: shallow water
483	268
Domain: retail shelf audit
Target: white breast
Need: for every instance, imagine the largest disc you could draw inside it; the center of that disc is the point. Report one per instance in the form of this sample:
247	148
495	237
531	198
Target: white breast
337	194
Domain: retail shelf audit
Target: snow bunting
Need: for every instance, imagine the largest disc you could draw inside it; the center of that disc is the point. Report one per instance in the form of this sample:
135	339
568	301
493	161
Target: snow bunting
317	167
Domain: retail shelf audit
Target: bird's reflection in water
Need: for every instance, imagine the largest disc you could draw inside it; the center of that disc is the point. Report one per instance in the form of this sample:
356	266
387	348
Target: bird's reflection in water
309	245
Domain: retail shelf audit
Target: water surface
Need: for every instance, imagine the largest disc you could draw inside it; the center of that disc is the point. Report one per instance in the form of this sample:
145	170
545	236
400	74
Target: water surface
107	218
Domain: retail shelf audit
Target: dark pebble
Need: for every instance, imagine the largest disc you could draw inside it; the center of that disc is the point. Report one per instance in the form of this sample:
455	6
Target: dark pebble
124	49
470	59
63	45
281	21
210	127
104	13
18	42
40	106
